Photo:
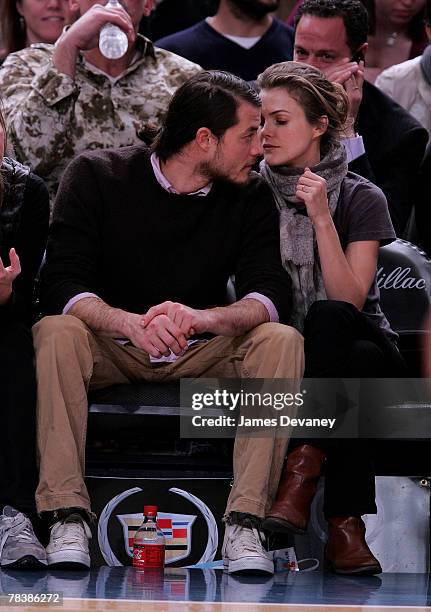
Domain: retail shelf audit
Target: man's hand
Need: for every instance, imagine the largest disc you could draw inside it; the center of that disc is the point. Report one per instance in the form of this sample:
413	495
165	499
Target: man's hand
83	35
351	76
159	337
189	320
312	190
8	275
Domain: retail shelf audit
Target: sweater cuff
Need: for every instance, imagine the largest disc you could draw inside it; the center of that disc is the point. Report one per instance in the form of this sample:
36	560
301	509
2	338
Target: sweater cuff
77	298
269	304
54	86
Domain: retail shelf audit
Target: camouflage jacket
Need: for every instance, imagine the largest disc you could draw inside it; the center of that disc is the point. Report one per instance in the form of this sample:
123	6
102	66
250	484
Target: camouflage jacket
51	117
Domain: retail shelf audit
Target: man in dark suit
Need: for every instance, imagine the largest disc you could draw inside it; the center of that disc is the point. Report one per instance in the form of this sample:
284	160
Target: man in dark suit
385	144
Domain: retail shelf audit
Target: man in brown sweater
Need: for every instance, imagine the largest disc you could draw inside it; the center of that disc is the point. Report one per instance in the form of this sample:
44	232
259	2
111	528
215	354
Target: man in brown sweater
141	248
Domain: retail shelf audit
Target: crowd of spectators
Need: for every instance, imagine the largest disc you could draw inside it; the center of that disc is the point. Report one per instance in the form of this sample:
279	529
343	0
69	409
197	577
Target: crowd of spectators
205	155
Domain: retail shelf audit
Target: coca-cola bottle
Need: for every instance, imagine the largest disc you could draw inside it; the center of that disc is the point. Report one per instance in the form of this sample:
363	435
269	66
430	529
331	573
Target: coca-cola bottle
149	542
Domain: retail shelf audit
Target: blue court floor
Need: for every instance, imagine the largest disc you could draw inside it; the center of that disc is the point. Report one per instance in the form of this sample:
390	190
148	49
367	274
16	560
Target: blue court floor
194	585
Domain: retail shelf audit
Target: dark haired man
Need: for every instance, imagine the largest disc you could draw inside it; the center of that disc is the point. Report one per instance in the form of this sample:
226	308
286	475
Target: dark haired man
141	249
332	36
242	37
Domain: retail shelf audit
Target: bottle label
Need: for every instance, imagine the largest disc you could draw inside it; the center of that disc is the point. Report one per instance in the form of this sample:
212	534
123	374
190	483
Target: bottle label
148	556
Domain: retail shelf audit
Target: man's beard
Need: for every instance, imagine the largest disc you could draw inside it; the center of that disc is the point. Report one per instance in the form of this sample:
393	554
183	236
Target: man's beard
212	172
215	172
253	9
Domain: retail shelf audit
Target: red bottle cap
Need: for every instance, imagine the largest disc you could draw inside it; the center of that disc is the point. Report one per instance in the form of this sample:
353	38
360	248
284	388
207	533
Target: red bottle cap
150	510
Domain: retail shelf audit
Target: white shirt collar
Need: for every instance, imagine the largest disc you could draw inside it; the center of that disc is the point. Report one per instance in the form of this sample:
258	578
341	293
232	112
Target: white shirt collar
163	181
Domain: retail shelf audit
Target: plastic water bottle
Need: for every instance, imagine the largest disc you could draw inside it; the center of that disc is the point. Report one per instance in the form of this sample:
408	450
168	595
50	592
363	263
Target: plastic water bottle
113	42
149	543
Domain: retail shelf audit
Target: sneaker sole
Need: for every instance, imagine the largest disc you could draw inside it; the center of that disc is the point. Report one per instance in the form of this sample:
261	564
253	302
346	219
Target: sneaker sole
69	559
249	565
27	562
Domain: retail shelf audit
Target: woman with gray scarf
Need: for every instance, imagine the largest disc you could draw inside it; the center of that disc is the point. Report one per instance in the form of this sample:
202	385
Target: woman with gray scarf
332	223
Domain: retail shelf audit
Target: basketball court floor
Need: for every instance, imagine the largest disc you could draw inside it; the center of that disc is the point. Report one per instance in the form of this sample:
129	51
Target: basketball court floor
125	589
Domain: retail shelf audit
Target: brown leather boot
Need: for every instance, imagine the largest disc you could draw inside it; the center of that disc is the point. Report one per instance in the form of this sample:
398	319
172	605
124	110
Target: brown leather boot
347	551
291	508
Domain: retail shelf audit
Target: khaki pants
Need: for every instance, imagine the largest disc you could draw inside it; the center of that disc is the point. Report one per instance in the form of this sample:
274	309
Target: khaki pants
71	359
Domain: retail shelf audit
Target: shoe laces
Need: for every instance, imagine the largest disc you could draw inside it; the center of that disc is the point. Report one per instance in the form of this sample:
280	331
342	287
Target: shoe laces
14	523
70	529
248	539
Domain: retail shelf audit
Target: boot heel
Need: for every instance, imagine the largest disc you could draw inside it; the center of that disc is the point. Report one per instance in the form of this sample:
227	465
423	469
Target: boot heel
278	525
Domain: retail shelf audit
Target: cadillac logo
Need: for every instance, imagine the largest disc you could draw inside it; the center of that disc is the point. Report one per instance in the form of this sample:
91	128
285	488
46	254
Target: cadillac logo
177	529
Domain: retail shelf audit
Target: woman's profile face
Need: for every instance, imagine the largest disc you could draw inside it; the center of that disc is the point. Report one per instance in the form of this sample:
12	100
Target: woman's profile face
44	19
286	135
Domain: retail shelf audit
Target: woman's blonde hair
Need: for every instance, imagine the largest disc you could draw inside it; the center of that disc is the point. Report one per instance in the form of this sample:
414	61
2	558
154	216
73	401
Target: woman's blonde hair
314	93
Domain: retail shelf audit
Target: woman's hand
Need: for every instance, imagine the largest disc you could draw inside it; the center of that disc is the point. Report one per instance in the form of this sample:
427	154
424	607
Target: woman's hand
311	189
8	275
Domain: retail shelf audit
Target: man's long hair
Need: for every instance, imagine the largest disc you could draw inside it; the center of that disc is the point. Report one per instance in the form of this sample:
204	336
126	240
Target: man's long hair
209	99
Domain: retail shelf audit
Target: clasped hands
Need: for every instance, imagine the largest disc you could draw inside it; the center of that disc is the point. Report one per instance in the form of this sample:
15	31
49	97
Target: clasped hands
165	328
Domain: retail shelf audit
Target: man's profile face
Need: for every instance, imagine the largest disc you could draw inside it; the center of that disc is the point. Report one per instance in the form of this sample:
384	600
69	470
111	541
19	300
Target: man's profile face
255	9
238	149
321	42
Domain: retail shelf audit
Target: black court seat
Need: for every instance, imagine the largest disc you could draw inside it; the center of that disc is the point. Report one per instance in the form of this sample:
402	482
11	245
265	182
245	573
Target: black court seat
137	398
404	279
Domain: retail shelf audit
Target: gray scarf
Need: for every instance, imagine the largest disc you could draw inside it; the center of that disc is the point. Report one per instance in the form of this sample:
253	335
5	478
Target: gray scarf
297	238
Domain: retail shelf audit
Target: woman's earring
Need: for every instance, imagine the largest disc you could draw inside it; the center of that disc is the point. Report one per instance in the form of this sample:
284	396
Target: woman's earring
22	23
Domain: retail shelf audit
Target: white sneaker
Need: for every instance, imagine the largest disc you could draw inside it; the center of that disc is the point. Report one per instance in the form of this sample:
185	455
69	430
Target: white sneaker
68	544
243	551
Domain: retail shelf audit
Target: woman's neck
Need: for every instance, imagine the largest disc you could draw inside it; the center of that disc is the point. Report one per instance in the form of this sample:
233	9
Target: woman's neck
385	28
307	161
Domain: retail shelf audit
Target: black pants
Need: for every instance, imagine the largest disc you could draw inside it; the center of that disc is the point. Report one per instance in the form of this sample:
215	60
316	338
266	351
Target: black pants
18	470
342	342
